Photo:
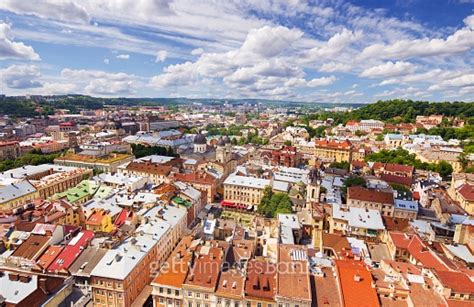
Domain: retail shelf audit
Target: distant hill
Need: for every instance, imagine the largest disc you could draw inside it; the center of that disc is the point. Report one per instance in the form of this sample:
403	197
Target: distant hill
21	106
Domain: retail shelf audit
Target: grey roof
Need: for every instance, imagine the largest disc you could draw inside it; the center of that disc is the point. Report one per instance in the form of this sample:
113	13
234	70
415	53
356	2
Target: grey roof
14	190
251	182
409	205
281	186
155	159
359	217
289	220
87	260
16	291
117	263
462	252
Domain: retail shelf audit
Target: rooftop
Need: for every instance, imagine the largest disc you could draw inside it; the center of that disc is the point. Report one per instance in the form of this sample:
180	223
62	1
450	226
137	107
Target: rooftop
109	159
369	195
355	282
295	282
251	182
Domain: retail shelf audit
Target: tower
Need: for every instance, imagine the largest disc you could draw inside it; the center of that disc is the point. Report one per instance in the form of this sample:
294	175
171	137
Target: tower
200	143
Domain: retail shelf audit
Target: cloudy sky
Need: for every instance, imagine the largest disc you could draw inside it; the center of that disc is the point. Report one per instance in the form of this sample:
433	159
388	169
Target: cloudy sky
321	51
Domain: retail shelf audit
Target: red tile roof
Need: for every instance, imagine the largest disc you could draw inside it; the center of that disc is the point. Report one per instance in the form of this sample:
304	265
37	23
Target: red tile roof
370	195
231	284
423	254
399	168
333	144
467	192
149	168
71	251
403	180
49	256
173	273
261	280
357	163
356	284
206	268
200	178
294	283
456	281
400	240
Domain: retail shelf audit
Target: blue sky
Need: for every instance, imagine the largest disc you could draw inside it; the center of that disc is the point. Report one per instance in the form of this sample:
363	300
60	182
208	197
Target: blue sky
317	51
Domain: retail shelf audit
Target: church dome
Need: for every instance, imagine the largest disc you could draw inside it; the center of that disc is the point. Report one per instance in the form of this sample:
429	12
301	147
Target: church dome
200	139
221	142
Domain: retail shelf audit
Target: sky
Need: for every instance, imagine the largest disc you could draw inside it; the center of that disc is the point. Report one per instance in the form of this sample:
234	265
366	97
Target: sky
315	51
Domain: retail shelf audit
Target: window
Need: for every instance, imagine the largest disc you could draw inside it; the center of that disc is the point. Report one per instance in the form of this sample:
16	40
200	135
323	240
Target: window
206	296
161	289
168	291
259	304
190	294
176	292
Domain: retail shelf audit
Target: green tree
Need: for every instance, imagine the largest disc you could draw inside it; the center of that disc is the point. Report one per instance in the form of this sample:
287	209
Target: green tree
272	203
353	181
342	165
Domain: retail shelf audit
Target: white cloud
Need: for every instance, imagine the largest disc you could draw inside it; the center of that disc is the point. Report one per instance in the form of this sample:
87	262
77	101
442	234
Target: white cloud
21	76
469	21
102	83
179	74
431	76
106	61
323	81
270	41
123	56
334	45
460	41
67	11
56	88
197	51
333	67
258	66
389	69
10	49
461	81
161	56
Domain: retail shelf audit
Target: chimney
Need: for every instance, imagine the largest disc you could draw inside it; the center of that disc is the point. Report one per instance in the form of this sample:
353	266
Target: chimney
42	284
13	277
25	278
357	278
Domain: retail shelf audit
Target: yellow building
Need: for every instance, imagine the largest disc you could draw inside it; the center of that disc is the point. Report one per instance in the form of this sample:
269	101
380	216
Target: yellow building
437	155
244	190
99	221
16	194
108	163
462	191
331	151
